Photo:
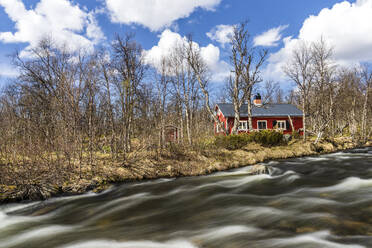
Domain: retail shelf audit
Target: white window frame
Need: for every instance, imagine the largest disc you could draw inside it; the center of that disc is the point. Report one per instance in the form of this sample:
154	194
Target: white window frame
220	130
246	126
261	121
281	121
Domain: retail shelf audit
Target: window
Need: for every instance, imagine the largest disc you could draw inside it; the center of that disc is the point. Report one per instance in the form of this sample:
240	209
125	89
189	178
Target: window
243	126
281	125
261	125
219	128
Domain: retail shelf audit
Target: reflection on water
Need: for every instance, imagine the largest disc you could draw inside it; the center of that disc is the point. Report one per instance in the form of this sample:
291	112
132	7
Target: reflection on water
321	201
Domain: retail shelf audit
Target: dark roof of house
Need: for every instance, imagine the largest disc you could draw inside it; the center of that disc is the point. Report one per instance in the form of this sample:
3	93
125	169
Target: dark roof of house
266	110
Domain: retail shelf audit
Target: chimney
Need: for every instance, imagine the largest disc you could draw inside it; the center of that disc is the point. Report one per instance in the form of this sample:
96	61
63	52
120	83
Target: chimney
257	100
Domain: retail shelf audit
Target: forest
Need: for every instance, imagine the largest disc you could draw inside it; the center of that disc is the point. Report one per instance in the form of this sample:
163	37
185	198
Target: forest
77	113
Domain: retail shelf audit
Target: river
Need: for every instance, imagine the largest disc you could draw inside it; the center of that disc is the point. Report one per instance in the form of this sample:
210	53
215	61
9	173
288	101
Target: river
323	201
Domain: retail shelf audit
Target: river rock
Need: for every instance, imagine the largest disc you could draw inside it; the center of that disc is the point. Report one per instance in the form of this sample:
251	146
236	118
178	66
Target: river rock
259	169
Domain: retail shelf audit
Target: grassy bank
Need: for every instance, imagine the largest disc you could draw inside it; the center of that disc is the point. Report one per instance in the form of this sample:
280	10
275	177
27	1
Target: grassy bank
32	180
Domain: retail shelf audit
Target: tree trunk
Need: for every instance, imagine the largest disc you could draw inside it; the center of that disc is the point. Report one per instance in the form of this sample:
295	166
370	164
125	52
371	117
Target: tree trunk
304	116
291	122
236	119
188	128
249	104
364	117
353	121
318	137
112	121
331	116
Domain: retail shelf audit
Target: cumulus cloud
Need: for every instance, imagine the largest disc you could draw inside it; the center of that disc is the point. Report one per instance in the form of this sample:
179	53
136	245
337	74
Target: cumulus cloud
65	22
346	27
155	14
221	33
210	53
276	61
270	37
6	71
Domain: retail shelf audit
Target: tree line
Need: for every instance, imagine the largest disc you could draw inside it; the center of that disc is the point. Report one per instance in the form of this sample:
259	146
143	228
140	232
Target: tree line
66	108
335	99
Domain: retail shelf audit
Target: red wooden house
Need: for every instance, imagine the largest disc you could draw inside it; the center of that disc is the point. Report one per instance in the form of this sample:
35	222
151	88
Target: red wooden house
264	116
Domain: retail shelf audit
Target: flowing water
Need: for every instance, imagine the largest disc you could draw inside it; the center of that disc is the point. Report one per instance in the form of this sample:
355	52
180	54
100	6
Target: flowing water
323	201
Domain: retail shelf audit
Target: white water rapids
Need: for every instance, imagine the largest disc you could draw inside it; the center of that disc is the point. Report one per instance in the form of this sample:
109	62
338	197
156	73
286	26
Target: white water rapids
323	201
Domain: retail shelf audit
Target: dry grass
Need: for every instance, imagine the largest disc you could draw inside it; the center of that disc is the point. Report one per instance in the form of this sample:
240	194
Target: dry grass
172	161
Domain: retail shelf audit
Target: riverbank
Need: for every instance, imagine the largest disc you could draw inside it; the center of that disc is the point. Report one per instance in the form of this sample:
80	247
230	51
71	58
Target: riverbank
169	163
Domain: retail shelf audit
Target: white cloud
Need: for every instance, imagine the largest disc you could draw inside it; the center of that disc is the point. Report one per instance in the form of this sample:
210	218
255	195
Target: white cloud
346	27
270	37
276	61
155	14
221	33
219	68
65	22
7	71
168	40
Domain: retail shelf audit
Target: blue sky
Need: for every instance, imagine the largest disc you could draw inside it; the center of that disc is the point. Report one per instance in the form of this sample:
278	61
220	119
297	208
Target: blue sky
274	24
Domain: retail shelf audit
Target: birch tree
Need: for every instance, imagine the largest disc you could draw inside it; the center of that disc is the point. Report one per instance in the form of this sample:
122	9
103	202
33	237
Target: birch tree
238	58
366	80
271	92
185	83
323	97
247	61
300	70
130	70
162	82
200	70
107	80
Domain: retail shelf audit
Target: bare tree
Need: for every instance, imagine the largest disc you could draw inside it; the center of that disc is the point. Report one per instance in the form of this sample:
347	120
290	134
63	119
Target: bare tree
130	70
247	61
300	69
162	82
366	79
185	83
279	95
345	98
200	70
270	91
107	79
323	98
238	57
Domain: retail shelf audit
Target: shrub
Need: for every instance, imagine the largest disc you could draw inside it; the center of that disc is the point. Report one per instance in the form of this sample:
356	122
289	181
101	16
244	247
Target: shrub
233	142
267	137
238	141
295	134
274	138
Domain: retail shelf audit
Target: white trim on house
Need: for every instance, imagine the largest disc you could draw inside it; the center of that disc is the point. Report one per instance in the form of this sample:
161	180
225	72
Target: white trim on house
261	121
219	114
245	126
218	128
283	127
